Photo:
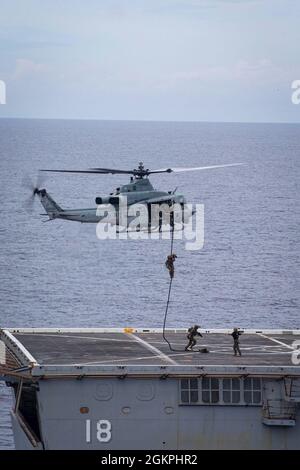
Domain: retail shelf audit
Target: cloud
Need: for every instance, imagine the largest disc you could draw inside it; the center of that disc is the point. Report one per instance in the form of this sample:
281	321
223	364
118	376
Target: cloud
26	68
66	58
261	71
186	5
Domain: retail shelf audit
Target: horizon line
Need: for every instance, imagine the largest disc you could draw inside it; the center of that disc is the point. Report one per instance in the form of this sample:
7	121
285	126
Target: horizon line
144	120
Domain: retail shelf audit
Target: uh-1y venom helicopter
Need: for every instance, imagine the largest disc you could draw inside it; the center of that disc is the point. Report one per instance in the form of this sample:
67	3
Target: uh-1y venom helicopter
138	191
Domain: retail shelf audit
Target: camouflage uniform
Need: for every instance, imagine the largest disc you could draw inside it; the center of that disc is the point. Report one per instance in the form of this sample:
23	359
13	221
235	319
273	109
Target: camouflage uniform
170	264
236	344
192	332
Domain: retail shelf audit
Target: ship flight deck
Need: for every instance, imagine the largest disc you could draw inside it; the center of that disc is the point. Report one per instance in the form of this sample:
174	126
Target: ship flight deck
93	349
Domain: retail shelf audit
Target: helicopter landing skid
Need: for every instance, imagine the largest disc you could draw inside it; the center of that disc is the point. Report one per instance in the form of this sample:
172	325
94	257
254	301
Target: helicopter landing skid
146	230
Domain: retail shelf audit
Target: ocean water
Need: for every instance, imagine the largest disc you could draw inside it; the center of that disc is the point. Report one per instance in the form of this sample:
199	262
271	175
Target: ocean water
59	274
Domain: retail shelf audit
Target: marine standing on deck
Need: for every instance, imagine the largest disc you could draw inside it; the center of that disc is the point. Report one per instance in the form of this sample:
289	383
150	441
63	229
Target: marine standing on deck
191	336
236	343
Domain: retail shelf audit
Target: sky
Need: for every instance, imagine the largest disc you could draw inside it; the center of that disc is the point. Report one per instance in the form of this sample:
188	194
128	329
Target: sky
182	60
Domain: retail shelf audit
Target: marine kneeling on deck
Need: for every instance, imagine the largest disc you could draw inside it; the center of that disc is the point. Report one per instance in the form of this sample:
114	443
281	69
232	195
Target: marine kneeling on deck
191	336
193	332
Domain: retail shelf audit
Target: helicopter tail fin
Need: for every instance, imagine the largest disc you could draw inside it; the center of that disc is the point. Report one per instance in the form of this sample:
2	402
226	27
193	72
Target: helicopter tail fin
51	207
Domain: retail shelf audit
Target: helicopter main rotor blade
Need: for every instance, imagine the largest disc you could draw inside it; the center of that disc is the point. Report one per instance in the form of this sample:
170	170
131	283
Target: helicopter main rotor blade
71	171
114	171
181	169
95	171
140	172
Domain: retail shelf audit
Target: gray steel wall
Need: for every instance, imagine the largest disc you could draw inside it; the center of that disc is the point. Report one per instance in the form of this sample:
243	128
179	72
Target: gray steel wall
144	414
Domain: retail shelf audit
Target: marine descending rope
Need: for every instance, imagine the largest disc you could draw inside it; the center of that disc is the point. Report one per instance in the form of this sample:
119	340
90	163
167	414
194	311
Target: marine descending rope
168	301
203	350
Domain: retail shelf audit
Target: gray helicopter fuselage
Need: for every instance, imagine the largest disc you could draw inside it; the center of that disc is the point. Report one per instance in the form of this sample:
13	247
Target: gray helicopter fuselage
138	191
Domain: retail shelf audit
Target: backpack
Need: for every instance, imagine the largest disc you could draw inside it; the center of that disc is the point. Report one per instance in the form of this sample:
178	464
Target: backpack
190	331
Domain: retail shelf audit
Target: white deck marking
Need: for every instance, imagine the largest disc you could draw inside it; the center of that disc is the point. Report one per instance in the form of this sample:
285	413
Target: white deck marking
87	337
275	340
183	364
127	359
188	354
153	349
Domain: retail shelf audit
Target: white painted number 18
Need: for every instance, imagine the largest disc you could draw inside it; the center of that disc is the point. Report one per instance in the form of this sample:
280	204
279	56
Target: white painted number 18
103	428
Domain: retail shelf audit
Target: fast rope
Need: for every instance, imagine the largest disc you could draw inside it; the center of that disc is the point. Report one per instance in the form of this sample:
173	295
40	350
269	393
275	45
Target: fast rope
172	257
168	300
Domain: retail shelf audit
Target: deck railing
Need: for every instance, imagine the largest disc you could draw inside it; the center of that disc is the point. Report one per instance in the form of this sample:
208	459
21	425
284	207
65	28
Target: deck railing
279	409
292	389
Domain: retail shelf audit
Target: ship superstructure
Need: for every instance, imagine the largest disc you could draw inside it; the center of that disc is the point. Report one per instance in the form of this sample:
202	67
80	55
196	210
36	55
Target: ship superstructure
124	389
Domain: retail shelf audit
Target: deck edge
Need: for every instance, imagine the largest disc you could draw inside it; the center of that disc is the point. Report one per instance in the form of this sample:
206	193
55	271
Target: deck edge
18	349
293	331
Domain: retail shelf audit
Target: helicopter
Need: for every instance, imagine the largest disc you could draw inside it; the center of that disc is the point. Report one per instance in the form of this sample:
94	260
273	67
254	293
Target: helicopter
139	190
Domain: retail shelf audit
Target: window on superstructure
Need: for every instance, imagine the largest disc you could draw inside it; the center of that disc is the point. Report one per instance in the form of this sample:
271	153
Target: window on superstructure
210	390
252	391
221	391
189	391
231	390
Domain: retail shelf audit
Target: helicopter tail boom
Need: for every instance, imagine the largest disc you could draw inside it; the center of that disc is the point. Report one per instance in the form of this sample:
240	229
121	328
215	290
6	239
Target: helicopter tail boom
51	207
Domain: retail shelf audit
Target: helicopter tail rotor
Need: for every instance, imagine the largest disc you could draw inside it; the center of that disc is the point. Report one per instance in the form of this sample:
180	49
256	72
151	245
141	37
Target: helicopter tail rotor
34	189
